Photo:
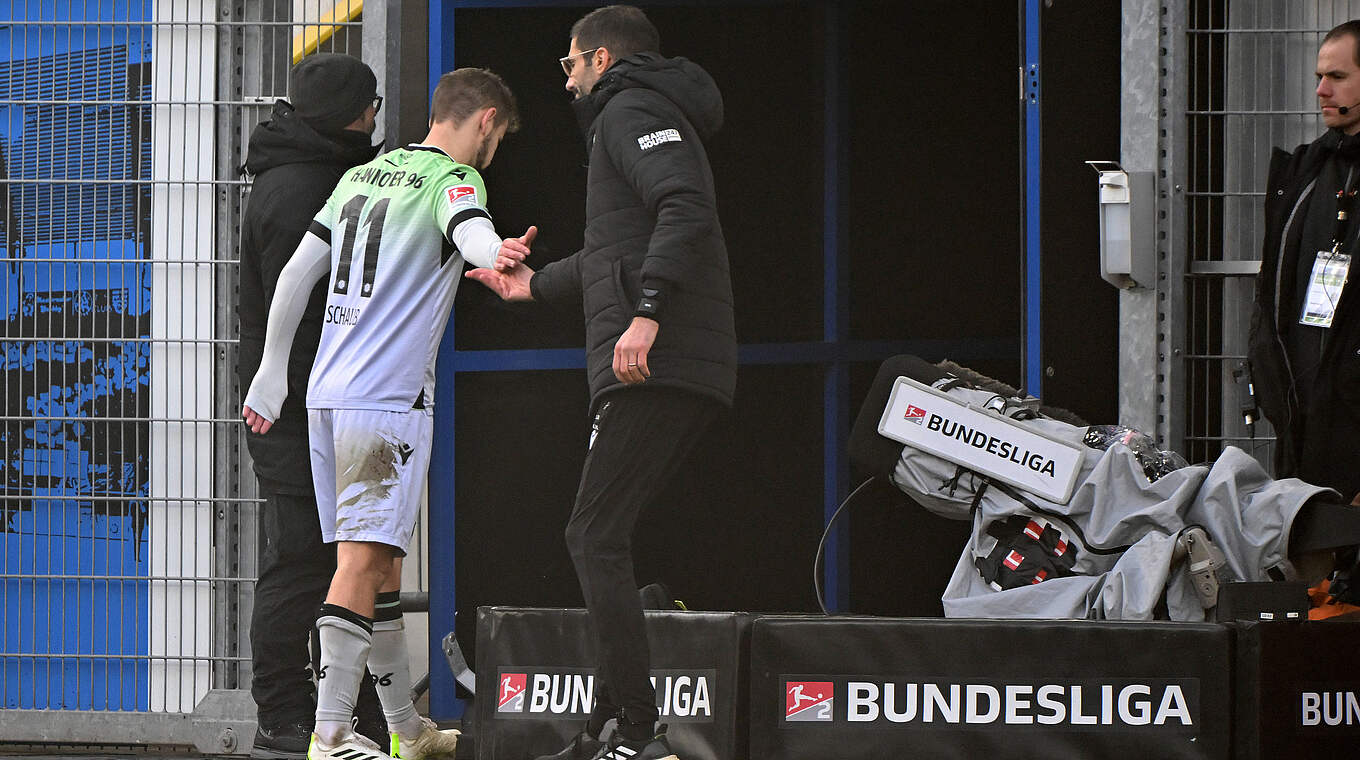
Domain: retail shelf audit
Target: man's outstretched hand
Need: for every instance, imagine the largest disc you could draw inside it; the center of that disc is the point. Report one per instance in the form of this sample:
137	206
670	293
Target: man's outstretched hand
511	286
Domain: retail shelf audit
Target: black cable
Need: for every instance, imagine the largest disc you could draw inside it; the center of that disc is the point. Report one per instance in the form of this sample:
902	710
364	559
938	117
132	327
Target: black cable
821	545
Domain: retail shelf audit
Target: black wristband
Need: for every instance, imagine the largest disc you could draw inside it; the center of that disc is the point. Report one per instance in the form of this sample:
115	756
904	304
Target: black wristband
649	305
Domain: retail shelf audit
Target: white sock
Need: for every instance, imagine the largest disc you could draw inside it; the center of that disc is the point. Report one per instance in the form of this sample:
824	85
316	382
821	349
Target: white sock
391	668
345	642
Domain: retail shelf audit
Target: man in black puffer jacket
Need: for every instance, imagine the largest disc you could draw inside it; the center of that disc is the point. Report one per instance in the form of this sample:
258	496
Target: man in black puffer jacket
652	280
297	158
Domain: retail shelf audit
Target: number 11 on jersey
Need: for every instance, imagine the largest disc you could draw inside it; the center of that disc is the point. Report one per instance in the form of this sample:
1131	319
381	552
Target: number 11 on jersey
349	217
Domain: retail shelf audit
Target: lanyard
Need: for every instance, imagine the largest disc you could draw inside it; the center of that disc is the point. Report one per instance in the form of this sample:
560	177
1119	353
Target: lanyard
1345	199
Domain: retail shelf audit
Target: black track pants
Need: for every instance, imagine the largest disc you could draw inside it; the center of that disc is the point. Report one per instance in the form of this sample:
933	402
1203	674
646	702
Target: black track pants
639	439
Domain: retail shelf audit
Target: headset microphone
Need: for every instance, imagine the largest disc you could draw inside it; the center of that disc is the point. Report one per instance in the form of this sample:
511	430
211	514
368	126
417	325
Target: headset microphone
1343	110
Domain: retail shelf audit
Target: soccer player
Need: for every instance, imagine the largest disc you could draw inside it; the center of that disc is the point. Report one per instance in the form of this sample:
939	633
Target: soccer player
392	238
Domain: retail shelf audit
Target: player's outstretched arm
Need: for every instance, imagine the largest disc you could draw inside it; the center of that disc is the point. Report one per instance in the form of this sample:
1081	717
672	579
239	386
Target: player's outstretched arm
511	286
309	263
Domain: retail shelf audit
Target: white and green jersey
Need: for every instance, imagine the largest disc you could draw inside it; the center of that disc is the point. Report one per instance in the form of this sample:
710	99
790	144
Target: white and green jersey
399	228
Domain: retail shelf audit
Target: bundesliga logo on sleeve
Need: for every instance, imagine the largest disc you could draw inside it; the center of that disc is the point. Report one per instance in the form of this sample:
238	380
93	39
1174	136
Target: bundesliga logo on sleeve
915	415
457	194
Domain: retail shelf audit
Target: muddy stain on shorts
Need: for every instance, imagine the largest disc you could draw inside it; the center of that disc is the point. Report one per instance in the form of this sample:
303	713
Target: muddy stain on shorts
363	502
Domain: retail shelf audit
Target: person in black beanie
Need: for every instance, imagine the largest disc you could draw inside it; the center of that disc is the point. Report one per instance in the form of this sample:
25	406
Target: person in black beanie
297	157
333	92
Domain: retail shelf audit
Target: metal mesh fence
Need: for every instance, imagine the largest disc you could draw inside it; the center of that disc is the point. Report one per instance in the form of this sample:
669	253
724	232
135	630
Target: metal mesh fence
1250	88
127	538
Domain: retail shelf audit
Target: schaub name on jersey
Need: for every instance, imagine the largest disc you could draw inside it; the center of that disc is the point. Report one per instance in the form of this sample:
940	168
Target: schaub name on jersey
394	273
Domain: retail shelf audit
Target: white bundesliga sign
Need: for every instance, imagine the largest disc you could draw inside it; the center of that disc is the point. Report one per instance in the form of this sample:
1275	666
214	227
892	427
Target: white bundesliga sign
998	447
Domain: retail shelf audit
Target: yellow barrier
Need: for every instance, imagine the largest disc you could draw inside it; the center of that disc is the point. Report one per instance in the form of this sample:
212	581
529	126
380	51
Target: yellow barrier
311	37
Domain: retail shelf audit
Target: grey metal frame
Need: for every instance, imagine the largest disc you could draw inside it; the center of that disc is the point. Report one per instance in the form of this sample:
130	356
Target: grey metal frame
1151	353
232	528
1171	242
1143	72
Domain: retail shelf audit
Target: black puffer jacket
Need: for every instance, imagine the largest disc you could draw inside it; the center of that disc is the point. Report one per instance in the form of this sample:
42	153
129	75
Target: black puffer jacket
295	169
1320	443
652	221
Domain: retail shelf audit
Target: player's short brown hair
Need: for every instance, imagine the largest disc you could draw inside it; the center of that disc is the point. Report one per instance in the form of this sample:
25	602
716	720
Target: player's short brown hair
463	92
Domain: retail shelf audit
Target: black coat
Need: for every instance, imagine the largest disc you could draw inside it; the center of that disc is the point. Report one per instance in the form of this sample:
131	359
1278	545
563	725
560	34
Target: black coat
295	169
652	222
1319	443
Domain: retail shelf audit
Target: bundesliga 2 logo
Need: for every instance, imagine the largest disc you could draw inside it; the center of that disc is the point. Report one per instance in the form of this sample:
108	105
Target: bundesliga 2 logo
458	193
808	700
511	695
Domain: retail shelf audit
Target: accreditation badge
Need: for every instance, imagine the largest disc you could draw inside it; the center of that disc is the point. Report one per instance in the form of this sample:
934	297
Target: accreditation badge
1324	288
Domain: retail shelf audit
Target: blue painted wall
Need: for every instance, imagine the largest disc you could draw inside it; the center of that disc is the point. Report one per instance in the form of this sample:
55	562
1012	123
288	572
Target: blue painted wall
75	293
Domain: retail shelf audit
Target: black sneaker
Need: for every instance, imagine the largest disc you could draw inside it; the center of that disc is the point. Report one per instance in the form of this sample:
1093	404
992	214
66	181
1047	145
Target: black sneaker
583	747
288	741
619	748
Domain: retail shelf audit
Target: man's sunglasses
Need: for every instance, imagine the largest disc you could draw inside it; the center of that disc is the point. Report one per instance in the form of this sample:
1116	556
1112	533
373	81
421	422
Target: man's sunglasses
569	61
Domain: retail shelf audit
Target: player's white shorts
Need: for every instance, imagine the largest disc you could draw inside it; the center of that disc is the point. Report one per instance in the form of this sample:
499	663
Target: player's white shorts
370	468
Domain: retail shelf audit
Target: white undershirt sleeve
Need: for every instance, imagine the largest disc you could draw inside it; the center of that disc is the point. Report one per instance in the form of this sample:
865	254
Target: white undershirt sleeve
477	240
309	263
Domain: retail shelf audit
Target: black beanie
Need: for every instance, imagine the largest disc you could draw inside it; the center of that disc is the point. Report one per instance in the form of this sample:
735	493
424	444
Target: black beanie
331	90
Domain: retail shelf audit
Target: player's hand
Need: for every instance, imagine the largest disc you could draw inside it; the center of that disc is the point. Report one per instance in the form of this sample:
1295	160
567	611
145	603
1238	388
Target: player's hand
511	286
256	421
264	399
513	250
630	352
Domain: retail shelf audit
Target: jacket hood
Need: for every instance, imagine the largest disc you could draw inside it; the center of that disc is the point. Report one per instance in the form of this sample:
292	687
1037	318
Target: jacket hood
287	139
681	80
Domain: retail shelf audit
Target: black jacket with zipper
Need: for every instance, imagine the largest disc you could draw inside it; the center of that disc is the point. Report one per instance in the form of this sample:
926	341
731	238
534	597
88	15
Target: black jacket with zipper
295	169
1318	439
651	222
